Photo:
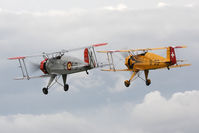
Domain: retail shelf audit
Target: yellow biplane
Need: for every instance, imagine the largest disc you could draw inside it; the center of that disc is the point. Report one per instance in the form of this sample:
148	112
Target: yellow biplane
145	61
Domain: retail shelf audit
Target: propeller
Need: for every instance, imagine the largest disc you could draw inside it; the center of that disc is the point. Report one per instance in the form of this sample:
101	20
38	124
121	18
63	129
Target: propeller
34	67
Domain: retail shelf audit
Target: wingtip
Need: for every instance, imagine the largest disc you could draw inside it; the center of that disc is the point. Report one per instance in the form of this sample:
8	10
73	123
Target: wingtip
181	46
101	44
17	58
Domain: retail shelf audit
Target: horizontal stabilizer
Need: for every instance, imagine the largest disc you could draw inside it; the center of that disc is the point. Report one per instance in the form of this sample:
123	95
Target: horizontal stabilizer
181	60
182	65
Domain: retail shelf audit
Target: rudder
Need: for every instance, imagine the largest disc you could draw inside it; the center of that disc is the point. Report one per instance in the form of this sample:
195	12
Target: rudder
88	57
171	56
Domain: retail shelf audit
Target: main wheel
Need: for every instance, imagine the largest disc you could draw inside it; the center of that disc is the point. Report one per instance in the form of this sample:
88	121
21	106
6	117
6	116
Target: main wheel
148	82
127	83
45	91
66	87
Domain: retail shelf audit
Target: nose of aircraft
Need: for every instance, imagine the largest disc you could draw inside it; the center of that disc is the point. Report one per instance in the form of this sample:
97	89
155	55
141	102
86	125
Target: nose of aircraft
43	66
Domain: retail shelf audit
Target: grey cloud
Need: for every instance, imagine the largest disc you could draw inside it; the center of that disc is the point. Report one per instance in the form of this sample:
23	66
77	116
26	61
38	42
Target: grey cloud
176	114
155	114
45	5
128	28
29	33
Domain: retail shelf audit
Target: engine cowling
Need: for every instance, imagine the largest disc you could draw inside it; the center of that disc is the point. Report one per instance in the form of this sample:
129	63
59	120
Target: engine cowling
43	66
129	62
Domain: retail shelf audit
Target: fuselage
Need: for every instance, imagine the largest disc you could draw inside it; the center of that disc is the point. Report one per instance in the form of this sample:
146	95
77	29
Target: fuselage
146	61
63	65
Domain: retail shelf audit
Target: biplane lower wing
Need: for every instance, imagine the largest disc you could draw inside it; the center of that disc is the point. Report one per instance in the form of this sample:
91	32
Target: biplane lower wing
31	77
177	66
116	70
182	65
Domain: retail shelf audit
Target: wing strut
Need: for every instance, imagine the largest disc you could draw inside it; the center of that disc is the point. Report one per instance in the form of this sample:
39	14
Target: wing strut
22	66
94	57
110	61
27	75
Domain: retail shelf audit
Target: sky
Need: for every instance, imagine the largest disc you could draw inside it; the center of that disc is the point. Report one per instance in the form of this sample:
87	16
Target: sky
99	102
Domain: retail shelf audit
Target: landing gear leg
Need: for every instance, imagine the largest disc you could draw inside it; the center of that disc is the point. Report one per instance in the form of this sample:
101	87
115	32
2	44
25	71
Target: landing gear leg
87	72
148	81
128	82
66	86
45	90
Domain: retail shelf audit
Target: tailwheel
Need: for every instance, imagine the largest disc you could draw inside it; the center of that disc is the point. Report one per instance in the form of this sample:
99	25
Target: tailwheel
148	82
127	83
45	91
66	87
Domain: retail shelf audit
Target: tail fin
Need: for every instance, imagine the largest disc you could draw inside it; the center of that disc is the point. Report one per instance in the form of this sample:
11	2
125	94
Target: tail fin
171	56
88	57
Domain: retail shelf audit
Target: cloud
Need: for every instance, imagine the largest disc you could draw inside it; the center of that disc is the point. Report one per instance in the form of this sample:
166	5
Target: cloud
162	4
190	5
63	122
155	114
176	114
123	28
28	34
119	7
118	80
90	105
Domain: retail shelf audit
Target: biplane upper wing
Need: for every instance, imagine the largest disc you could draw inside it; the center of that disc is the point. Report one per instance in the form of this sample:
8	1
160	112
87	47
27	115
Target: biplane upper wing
133	50
60	52
75	49
94	45
17	58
